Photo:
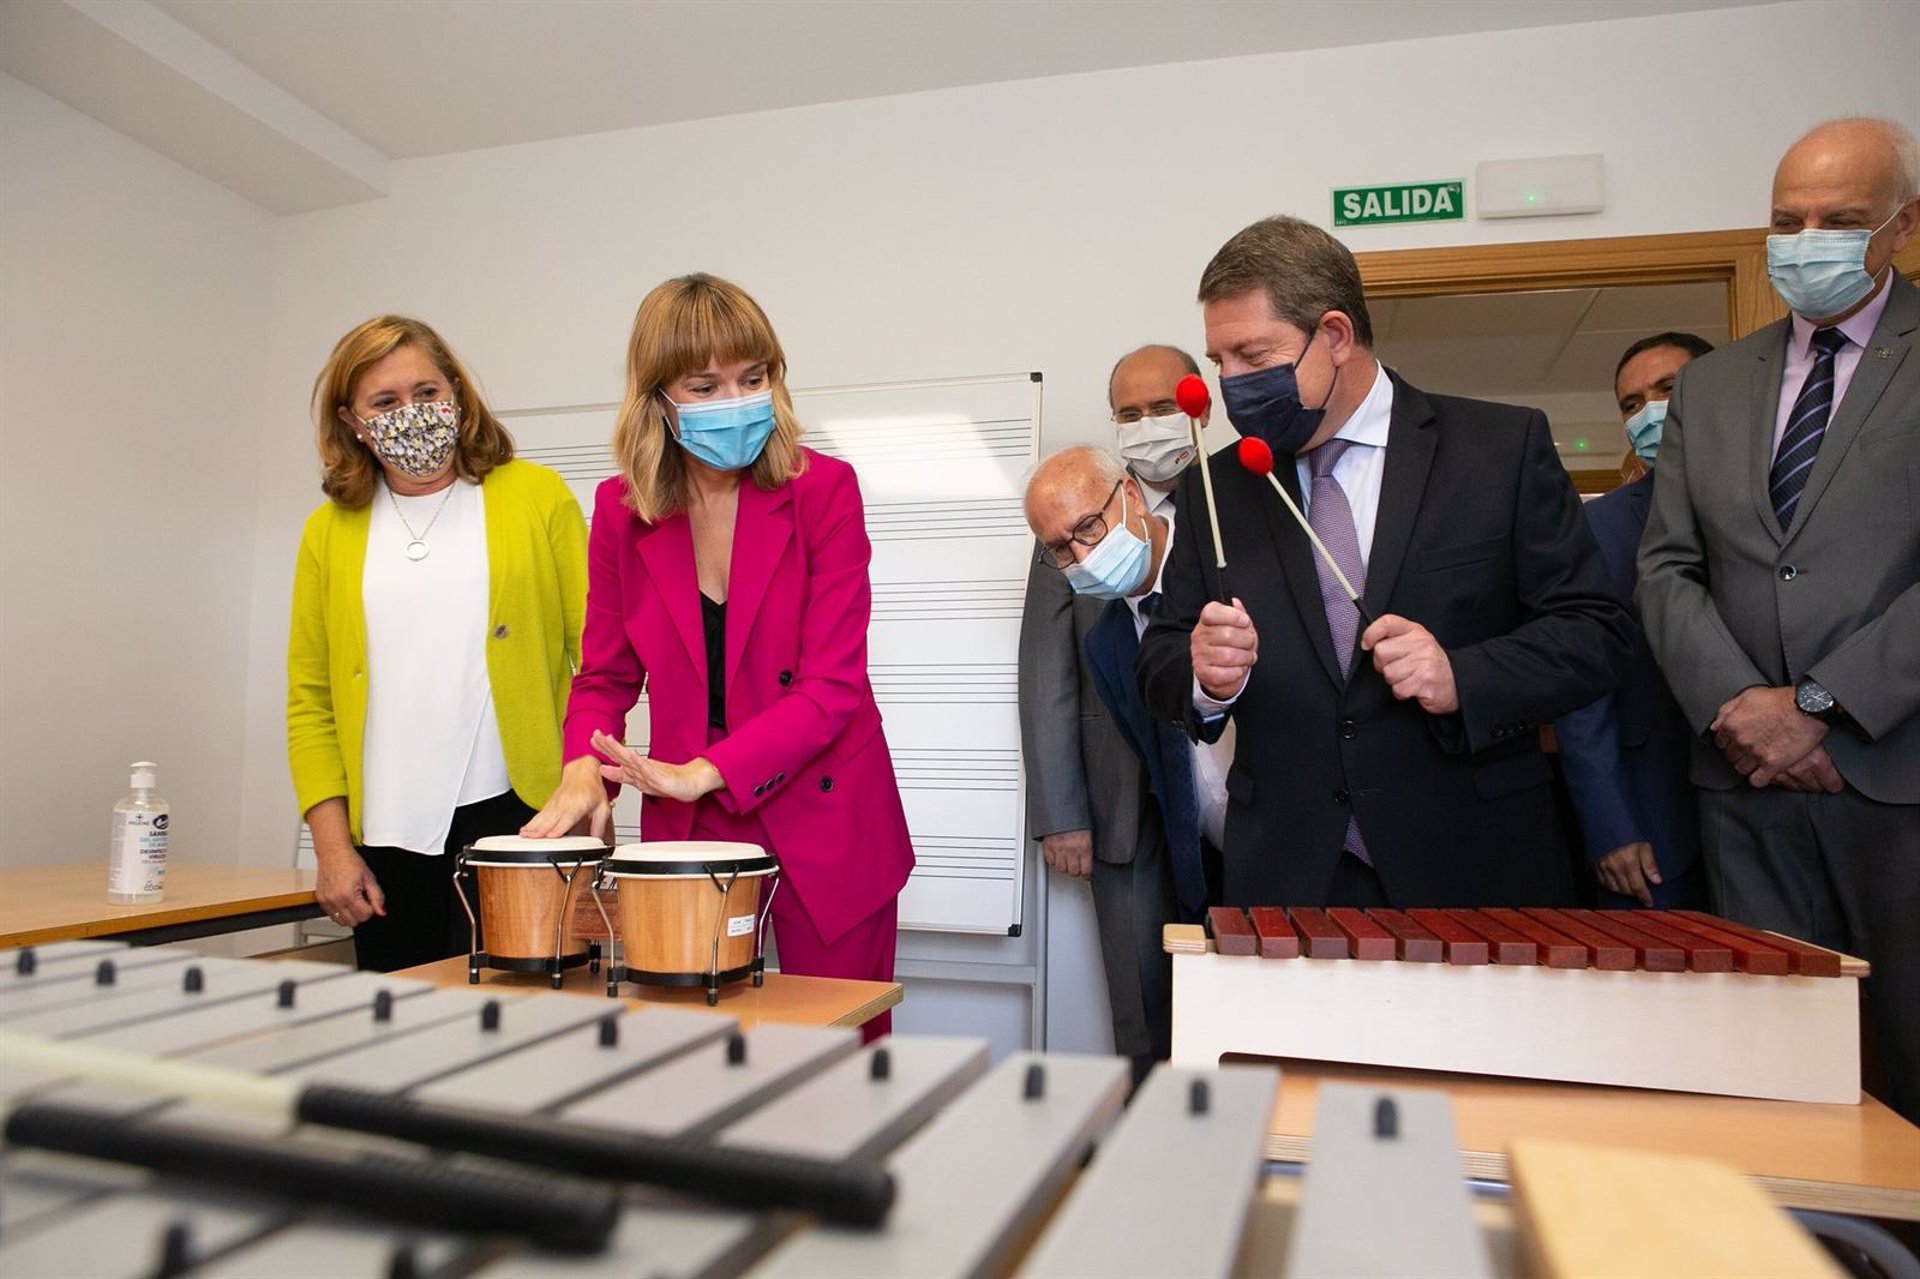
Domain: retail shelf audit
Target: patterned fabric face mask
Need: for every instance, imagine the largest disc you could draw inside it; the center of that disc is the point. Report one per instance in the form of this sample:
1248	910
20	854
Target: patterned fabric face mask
415	439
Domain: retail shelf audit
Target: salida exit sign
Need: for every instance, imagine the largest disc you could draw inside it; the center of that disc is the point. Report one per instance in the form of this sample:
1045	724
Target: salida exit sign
1400	202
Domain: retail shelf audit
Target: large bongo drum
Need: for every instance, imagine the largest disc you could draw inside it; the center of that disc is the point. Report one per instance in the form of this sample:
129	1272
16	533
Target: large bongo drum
691	913
527	889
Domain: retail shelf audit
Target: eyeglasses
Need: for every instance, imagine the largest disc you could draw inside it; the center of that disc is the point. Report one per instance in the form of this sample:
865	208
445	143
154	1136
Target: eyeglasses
1087	532
1159	408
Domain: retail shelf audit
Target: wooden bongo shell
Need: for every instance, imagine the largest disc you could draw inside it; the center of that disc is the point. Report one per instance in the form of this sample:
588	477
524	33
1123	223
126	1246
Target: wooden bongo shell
667	925
523	898
521	905
669	918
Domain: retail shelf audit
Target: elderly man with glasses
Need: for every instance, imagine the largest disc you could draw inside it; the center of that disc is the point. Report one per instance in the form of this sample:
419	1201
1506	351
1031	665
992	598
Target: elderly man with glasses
1112	796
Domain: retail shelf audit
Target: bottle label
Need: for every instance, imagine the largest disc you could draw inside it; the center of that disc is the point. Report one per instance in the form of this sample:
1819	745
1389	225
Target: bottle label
139	855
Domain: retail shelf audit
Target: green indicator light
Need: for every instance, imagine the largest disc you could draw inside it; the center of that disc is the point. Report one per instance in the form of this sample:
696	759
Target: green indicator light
1580	444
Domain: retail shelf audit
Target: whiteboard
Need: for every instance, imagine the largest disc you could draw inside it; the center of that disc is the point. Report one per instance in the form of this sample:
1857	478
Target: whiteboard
941	467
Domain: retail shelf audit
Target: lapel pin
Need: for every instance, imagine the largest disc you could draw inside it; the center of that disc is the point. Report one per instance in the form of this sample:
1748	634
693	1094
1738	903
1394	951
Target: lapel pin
1884	352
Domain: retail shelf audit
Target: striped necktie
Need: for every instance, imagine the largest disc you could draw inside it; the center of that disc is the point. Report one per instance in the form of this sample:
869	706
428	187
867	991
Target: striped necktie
1806	426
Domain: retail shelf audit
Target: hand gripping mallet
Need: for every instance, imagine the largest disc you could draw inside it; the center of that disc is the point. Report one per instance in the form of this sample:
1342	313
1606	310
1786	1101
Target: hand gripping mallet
1257	457
1193	398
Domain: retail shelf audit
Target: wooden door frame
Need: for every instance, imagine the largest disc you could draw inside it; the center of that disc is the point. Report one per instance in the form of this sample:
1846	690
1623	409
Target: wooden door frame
1736	259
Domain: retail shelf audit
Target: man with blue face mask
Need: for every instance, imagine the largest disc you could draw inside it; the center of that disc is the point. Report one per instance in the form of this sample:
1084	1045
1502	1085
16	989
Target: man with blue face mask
1625	756
1094	759
1780	579
1387	755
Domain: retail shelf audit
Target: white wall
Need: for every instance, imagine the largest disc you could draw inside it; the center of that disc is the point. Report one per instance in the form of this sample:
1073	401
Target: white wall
132	347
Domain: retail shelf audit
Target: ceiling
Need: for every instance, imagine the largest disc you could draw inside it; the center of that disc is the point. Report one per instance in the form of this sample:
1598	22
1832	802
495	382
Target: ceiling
351	84
1555	351
431	76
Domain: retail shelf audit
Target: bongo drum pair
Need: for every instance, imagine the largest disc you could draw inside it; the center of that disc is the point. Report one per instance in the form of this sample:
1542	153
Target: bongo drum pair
691	912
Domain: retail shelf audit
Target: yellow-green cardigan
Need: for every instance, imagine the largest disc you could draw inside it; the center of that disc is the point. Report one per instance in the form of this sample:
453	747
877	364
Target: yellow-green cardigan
537	592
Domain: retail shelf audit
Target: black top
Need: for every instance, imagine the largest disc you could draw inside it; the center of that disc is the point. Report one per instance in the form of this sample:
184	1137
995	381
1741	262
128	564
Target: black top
714	617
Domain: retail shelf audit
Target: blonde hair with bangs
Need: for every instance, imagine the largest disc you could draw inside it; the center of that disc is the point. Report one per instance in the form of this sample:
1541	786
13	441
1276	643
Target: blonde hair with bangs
348	467
682	327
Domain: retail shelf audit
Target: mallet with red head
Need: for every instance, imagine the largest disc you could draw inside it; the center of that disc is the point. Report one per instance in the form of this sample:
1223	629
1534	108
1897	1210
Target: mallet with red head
1256	456
1192	397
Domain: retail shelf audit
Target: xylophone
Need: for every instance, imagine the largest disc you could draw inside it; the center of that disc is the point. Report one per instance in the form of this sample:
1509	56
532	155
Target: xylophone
1676	1000
308	1120
112	1057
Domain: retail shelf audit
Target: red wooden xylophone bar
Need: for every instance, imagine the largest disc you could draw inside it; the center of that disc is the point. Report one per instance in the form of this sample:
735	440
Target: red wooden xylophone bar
1608	940
1654	999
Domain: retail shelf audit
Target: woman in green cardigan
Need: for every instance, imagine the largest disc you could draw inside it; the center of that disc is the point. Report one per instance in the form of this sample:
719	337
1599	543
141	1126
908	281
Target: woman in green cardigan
437	606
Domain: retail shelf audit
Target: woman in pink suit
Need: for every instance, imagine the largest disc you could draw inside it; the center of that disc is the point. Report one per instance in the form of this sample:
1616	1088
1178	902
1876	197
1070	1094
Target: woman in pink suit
727	574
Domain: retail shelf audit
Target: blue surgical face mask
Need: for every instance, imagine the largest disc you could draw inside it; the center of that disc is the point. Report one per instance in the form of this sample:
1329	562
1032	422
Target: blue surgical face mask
1819	274
1643	429
1265	405
726	434
1117	567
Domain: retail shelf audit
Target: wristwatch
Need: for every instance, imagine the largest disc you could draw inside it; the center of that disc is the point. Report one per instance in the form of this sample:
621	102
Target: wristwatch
1812	699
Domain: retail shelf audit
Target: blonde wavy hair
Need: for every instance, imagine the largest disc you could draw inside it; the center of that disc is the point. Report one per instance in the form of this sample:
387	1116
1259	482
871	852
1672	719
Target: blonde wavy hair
683	326
348	467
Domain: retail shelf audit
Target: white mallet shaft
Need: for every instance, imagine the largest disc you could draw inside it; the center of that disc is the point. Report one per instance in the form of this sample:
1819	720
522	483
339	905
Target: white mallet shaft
1206	482
230	1089
1314	537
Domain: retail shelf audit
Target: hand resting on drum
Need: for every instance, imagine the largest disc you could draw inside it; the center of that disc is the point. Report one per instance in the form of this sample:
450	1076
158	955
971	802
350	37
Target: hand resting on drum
581	798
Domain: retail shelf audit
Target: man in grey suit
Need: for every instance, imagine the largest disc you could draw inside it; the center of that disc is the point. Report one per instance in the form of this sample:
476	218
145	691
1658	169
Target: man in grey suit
1780	579
1089	801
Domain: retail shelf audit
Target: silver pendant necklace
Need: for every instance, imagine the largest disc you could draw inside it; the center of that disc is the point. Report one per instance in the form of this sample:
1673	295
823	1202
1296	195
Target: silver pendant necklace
417	547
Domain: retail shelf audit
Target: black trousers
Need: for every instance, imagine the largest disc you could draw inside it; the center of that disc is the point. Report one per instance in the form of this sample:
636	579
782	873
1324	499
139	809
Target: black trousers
424	921
1356	884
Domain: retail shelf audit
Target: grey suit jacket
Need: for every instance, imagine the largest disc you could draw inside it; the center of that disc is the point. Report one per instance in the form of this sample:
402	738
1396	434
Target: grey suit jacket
1081	775
1731	600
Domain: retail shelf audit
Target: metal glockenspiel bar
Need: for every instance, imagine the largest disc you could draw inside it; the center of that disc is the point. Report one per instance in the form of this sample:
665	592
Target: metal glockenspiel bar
777	1097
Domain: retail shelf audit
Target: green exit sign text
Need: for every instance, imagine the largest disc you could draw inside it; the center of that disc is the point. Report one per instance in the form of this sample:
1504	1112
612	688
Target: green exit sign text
1400	202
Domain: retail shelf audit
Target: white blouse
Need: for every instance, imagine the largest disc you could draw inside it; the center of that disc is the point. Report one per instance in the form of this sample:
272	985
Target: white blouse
432	741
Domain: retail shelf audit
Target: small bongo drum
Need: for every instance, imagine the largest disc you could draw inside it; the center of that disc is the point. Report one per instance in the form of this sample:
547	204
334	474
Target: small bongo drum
527	889
691	913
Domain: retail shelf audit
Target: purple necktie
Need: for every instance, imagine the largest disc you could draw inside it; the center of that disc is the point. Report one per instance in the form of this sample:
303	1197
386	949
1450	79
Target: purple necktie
1330	516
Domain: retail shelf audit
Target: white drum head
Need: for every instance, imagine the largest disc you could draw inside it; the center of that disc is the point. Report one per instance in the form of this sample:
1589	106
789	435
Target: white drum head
672	859
518	850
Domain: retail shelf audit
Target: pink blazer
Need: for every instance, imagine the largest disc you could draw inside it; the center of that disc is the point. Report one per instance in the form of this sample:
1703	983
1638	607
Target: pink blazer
804	749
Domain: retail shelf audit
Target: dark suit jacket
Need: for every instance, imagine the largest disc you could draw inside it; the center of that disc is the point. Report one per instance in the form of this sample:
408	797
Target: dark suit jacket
1625	756
1081	774
1110	647
1480	538
1732	600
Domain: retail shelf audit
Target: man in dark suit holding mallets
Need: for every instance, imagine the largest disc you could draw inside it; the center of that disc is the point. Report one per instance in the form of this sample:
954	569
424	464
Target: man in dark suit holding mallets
1396	763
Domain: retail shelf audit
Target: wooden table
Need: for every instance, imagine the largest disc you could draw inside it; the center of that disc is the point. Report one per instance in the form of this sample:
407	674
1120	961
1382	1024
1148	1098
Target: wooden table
802	1001
54	903
1863	1160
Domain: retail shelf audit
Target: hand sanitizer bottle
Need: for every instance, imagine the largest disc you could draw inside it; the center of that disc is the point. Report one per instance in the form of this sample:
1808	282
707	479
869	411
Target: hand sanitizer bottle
137	855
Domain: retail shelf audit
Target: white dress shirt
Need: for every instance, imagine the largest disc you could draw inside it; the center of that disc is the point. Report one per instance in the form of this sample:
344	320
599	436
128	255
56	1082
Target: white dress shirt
1859	329
432	741
1210	761
1358	472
